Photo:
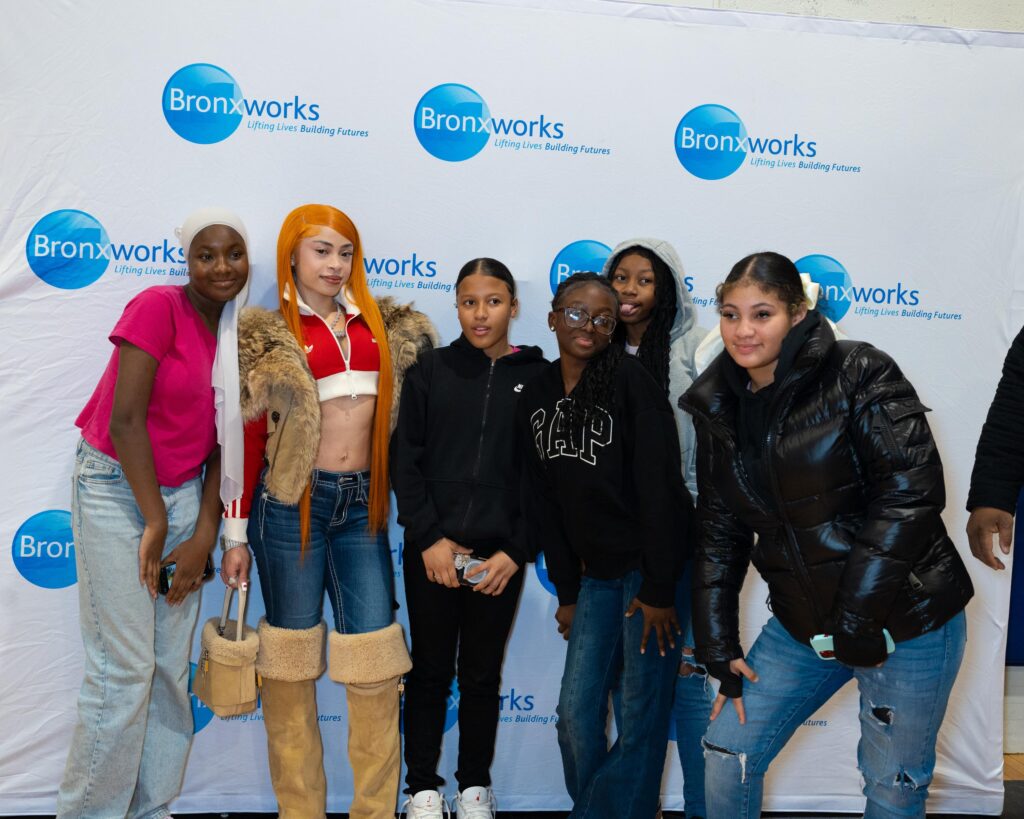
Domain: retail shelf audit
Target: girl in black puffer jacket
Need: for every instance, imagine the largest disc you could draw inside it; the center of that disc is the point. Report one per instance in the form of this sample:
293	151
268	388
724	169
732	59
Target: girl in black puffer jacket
821	449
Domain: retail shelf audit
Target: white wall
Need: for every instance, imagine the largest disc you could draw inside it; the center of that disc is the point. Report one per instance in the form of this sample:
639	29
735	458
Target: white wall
996	15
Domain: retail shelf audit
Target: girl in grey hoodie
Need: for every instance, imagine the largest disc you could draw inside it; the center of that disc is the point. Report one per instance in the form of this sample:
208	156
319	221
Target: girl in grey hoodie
658	324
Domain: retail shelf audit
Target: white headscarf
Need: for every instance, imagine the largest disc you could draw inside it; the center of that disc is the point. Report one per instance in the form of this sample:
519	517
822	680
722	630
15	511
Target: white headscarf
226	400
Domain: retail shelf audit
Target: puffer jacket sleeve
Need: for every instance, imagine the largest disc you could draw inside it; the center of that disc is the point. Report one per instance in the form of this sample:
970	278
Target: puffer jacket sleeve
998	473
904	490
720	565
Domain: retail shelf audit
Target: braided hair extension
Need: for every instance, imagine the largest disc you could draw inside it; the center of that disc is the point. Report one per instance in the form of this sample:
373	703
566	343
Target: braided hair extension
655	343
596	387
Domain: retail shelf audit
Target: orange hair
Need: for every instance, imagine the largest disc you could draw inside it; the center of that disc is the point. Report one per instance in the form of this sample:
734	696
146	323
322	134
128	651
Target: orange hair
301	223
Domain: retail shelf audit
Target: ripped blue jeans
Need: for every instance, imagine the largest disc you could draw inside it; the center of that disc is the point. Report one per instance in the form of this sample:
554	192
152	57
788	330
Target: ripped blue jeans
902	705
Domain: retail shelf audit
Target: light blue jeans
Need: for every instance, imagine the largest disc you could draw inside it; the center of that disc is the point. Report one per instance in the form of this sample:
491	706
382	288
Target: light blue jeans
902	704
134	728
622	782
691	709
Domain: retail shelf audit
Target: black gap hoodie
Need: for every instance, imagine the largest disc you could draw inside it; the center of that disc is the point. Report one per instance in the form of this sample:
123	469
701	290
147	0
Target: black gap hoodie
617	502
455	452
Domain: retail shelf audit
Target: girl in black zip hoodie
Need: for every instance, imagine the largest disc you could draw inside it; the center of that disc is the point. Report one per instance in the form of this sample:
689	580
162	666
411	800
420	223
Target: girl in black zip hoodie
455	470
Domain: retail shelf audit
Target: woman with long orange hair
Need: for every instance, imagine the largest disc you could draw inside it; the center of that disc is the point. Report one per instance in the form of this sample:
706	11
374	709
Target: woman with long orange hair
317	388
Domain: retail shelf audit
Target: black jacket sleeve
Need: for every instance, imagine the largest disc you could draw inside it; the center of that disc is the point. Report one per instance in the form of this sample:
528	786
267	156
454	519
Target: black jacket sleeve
998	473
663	506
416	510
544	517
522	547
720	566
904	488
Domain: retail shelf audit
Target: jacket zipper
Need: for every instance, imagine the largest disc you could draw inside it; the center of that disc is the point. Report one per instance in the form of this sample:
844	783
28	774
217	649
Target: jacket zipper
888	433
341	348
791	546
790	540
480	444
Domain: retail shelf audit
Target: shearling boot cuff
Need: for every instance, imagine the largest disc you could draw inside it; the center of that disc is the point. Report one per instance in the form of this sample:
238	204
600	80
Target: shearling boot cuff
374	657
291	654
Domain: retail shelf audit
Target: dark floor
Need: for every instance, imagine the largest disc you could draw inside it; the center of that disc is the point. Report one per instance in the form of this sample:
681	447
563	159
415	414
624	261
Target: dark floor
1013	809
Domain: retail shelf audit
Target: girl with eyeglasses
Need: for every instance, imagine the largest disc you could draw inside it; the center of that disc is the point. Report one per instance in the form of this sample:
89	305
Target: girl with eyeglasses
614	520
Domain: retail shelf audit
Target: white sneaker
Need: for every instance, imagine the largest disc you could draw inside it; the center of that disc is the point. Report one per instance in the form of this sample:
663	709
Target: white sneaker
426	805
475	803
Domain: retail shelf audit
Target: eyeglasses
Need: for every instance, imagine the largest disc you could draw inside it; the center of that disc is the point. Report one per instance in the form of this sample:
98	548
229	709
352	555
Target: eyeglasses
577	317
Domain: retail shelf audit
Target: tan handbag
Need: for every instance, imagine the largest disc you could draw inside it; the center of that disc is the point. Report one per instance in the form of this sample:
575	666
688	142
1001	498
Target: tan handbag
226	679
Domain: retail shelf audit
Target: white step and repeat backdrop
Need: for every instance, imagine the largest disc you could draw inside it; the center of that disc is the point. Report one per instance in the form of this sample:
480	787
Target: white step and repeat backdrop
888	159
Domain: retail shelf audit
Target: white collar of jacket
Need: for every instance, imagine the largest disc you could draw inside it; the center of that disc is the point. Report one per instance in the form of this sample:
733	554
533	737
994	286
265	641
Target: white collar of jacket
344	298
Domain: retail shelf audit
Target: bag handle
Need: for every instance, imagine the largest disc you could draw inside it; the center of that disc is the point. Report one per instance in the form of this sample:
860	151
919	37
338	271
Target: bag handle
240	622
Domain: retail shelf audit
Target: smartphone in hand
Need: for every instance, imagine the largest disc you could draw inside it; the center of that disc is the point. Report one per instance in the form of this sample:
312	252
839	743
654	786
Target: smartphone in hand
167	574
824	645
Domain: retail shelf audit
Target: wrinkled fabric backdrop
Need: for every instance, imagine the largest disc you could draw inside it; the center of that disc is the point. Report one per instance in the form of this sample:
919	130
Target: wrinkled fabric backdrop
887	159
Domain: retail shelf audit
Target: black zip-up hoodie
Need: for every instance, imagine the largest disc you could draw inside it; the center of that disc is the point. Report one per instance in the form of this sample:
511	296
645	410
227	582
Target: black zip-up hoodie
616	503
455	452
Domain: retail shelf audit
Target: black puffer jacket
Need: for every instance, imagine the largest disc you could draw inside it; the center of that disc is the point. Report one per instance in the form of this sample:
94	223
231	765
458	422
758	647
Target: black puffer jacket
851	540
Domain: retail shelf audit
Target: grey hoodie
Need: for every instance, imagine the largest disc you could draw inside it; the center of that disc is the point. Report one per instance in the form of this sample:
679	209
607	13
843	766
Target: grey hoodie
685	337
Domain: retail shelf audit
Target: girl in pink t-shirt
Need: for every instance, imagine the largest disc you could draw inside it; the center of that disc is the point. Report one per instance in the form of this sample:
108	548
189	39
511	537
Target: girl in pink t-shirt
145	494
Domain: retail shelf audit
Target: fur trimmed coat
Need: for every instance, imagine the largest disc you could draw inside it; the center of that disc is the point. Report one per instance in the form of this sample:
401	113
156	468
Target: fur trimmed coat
275	380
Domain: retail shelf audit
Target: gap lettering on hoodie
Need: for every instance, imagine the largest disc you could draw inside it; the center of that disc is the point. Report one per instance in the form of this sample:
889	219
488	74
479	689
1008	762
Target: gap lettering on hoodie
554	441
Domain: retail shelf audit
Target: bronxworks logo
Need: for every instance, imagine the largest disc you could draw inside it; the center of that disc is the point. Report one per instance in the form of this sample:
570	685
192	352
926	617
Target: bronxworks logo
541	568
453	123
839	293
712	142
203	104
44	550
585	254
70	249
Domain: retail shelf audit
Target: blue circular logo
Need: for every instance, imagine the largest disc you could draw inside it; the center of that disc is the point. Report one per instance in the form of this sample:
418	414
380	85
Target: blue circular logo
452	122
203	103
836	284
711	141
44	550
68	249
542	574
585	254
201	714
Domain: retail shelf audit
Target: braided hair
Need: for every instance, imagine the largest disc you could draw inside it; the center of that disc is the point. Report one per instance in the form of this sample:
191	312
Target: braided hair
654	346
596	387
